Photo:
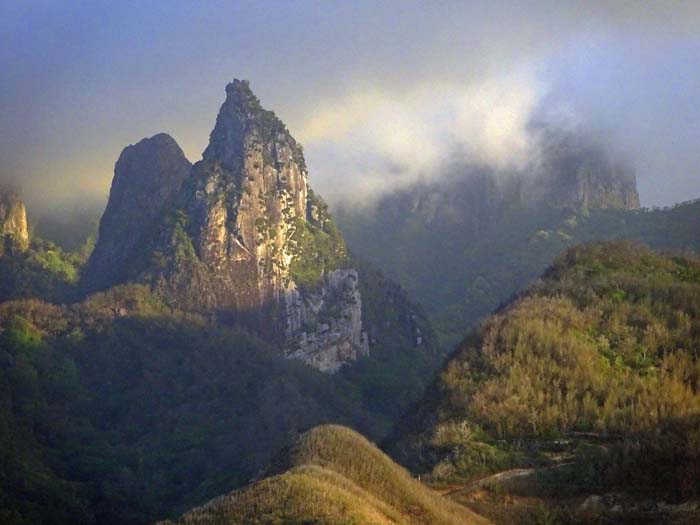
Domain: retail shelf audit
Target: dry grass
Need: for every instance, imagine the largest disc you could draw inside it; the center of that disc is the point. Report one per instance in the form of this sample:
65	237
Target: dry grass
333	476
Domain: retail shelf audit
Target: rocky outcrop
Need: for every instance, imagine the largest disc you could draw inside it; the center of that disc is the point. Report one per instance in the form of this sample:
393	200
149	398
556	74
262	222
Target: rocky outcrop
578	171
324	327
148	179
238	235
247	197
13	223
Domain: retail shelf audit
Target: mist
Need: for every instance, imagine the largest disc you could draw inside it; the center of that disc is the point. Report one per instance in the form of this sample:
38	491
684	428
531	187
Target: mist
379	97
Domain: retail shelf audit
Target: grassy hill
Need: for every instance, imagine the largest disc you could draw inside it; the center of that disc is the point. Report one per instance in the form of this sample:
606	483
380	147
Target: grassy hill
594	373
333	475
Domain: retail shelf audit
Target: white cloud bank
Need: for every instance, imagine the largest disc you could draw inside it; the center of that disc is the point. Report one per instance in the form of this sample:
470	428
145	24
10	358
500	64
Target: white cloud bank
376	140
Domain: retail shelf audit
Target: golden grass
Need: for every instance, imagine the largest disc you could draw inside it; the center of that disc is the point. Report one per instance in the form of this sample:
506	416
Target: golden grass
333	476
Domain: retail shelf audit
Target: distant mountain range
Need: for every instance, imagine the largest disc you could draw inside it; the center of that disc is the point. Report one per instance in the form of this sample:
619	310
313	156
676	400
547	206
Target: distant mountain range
463	244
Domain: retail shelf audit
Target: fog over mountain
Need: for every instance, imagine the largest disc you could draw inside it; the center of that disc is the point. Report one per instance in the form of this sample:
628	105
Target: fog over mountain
378	96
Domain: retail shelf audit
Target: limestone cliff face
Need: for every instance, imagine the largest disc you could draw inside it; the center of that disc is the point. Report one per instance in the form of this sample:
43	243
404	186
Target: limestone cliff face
324	326
578	171
246	198
148	179
573	170
13	223
238	235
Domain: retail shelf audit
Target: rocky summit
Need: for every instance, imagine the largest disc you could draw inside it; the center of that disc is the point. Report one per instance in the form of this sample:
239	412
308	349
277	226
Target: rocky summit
239	235
148	179
580	172
13	223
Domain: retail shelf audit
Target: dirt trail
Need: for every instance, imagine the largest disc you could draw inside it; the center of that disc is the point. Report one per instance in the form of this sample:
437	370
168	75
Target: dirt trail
497	478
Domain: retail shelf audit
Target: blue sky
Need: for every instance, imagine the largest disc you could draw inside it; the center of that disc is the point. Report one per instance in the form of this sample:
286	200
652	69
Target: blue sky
378	92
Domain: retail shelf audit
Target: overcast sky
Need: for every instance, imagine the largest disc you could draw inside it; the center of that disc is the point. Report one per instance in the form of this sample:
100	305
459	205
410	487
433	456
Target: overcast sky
377	92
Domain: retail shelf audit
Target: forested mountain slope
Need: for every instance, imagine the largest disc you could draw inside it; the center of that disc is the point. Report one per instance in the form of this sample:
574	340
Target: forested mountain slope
487	252
596	365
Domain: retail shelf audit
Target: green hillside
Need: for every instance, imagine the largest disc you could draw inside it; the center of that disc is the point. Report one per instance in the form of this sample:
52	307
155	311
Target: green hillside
120	409
597	363
462	266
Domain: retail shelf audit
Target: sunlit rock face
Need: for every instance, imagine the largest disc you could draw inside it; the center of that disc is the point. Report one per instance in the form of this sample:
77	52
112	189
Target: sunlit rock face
148	179
239	235
13	223
245	199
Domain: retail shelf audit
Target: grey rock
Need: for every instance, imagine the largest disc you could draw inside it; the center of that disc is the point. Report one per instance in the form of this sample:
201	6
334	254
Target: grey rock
579	171
148	178
324	327
246	196
221	237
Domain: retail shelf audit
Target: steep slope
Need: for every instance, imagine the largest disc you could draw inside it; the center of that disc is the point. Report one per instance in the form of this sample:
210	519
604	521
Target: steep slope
490	247
333	475
245	200
597	364
239	235
148	178
13	223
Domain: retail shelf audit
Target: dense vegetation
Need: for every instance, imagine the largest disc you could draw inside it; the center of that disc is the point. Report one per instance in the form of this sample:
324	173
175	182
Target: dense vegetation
466	259
333	476
137	411
119	409
605	346
43	271
317	244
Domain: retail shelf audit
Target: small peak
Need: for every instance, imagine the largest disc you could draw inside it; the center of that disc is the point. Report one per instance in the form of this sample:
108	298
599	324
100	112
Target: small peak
240	112
159	139
14	232
238	84
239	93
146	146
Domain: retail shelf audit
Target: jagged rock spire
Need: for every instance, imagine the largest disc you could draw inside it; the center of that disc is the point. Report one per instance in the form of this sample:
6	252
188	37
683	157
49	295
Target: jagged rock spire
148	179
238	235
13	222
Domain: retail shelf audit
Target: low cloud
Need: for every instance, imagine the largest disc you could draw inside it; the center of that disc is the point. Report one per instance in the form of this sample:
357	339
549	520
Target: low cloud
378	97
373	141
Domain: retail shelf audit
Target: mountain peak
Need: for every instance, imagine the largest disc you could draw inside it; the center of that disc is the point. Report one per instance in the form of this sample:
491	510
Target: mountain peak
240	88
238	234
242	117
147	180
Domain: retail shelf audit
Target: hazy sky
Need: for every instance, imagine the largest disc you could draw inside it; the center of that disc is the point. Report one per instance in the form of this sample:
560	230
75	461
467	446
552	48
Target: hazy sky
378	92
